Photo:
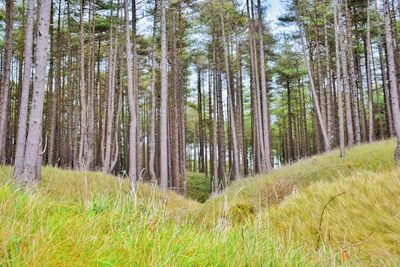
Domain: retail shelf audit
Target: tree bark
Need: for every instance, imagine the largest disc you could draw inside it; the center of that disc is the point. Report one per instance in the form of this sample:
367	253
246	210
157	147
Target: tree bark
5	79
339	79
392	77
32	153
132	104
24	102
164	102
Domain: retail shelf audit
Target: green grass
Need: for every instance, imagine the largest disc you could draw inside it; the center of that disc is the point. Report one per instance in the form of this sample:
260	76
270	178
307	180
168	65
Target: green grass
198	186
81	219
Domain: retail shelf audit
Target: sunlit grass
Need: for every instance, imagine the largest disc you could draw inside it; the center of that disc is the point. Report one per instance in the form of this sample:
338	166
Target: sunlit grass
80	219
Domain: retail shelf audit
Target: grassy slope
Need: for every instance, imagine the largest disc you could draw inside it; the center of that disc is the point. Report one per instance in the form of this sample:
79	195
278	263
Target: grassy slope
263	191
266	220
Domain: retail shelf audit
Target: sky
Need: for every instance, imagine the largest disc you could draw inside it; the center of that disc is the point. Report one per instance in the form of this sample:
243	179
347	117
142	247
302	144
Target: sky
275	9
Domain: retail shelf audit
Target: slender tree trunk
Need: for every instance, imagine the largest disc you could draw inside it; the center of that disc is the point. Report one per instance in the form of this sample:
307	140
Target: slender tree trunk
54	93
132	104
236	167
329	86
164	102
392	77
152	142
347	89
32	153
352	75
385	82
82	89
24	102
5	79
369	79
313	92
339	79
264	94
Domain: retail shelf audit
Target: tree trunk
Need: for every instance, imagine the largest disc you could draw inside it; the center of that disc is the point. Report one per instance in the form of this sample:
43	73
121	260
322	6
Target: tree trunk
339	79
24	102
321	122
32	153
392	77
164	102
152	142
132	104
5	79
369	79
236	167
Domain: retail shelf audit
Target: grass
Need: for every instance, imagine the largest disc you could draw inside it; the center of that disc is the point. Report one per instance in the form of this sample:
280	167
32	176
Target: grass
83	219
198	186
259	193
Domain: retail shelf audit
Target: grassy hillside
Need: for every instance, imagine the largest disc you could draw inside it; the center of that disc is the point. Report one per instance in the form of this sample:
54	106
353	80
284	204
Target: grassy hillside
276	219
252	195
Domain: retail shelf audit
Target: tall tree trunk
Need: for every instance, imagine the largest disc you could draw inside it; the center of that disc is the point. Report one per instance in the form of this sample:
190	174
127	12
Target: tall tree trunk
369	79
5	79
346	77
54	93
32	153
339	79
236	167
329	86
132	104
24	102
321	122
352	75
164	102
264	94
392	77
386	89
82	89
152	142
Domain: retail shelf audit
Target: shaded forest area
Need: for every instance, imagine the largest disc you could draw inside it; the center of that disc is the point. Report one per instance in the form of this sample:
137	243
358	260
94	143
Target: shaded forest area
150	90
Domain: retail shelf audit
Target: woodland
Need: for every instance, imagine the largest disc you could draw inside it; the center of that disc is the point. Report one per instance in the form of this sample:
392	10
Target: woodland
177	102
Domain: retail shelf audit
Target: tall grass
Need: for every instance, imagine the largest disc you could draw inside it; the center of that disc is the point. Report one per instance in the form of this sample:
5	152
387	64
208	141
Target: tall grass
91	219
115	230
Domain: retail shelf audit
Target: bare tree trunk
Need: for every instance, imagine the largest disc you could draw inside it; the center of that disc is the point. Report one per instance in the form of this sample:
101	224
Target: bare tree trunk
236	169
352	76
89	155
32	153
386	88
164	102
132	104
136	90
152	142
339	79
24	102
82	89
264	95
369	80
321	122
53	114
200	116
392	77
329	86
347	89
5	79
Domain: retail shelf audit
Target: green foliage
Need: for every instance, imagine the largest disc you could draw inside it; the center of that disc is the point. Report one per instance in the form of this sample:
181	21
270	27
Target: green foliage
198	186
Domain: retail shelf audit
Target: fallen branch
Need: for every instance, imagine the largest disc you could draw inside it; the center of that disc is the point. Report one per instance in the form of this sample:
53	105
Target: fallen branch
322	216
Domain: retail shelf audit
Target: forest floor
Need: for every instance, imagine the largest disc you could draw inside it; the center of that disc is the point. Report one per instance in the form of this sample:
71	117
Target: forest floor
320	211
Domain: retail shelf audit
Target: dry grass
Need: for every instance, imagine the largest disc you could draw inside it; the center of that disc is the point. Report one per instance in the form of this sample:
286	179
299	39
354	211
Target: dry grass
81	219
